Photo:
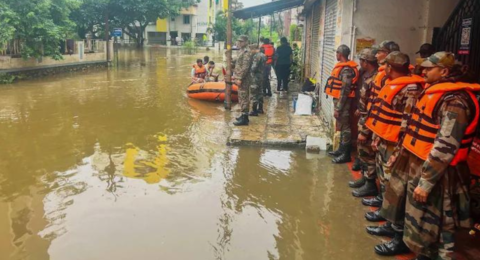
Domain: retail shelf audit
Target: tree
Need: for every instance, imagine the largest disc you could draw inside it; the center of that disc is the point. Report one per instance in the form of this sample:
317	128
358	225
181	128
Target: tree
247	27
39	25
135	15
89	18
8	22
236	5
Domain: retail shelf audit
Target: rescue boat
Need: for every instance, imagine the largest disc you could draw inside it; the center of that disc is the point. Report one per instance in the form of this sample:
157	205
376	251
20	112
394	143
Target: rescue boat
211	91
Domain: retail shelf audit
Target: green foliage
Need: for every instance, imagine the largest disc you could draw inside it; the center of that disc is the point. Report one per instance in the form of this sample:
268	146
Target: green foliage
295	33
265	33
239	27
7	78
7	28
132	16
38	25
190	46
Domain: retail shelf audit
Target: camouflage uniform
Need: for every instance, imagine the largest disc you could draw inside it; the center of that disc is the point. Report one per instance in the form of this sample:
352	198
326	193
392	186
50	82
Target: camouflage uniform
256	78
447	205
365	151
343	104
404	101
242	69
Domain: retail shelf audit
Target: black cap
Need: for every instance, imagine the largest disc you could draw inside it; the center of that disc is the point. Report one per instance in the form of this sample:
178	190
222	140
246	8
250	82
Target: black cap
426	48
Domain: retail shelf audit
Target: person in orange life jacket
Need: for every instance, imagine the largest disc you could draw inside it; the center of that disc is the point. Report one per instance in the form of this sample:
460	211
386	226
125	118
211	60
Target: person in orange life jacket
434	154
269	51
385	48
426	50
388	121
341	86
365	153
382	51
199	72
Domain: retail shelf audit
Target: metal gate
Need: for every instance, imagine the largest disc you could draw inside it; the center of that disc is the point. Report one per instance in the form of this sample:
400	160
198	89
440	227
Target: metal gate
315	42
157	38
329	55
450	36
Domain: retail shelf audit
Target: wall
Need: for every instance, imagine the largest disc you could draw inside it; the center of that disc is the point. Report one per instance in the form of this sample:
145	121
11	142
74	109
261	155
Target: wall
8	63
54	70
408	22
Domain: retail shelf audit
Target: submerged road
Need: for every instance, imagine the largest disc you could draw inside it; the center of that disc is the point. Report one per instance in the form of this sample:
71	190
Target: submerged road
120	164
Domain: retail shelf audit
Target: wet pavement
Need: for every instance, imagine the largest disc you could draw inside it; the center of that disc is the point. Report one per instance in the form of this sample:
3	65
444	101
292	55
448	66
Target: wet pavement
278	127
120	164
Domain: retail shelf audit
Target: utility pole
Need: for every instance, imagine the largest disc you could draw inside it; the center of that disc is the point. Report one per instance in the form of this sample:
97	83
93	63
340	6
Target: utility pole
228	77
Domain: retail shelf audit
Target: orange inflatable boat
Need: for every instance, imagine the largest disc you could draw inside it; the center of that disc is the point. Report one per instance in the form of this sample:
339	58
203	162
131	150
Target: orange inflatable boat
211	91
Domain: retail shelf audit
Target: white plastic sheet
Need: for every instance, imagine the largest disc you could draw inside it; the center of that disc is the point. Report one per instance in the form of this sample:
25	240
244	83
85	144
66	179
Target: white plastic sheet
304	105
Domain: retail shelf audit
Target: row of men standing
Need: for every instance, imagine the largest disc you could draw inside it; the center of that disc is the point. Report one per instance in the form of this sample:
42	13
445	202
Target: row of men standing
415	133
252	74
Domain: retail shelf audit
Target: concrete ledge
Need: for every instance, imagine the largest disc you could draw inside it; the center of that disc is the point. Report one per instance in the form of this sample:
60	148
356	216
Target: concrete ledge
48	70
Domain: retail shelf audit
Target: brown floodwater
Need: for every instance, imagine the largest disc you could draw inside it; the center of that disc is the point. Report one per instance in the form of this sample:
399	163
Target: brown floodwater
120	164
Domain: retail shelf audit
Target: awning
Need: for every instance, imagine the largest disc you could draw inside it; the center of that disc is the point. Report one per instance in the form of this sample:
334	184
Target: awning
267	9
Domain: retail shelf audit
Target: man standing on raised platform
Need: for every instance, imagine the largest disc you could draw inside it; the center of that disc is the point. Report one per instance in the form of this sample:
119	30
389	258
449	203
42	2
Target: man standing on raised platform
341	86
241	75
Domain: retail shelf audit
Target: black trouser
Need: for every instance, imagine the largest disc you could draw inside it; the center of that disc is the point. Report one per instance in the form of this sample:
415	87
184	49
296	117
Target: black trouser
283	73
267	89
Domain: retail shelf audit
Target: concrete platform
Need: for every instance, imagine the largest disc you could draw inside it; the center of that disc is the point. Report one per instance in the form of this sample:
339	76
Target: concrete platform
278	127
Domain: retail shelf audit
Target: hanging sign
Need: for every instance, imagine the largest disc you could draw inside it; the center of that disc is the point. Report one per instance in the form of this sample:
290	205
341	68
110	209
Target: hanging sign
466	35
363	43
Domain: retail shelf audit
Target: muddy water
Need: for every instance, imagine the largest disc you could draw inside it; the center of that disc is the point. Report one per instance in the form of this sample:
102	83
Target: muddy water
119	164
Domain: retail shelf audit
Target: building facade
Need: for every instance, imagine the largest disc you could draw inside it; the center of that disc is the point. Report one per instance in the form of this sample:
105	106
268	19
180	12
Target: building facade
194	23
330	23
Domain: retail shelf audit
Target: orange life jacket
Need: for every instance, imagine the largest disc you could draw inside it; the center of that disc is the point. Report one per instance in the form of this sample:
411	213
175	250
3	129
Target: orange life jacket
200	72
383	119
334	84
269	52
378	84
423	127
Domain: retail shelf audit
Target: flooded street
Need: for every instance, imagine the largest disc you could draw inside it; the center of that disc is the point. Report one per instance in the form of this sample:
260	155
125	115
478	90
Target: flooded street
120	164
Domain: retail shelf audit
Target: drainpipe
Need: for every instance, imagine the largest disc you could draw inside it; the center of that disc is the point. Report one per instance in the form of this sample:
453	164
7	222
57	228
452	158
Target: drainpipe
427	22
353	28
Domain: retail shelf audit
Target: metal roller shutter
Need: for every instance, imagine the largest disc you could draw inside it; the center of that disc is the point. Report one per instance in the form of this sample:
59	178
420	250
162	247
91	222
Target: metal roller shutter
329	55
315	43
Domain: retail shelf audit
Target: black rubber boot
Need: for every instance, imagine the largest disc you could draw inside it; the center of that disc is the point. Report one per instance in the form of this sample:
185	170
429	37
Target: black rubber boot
345	157
357	165
260	109
394	247
338	152
369	189
242	121
254	111
373	202
374	216
357	183
384	230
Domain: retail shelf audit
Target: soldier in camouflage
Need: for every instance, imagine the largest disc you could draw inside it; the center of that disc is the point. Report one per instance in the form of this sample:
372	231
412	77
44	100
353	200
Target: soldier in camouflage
256	80
385	48
437	200
397	100
241	75
369	64
342	108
